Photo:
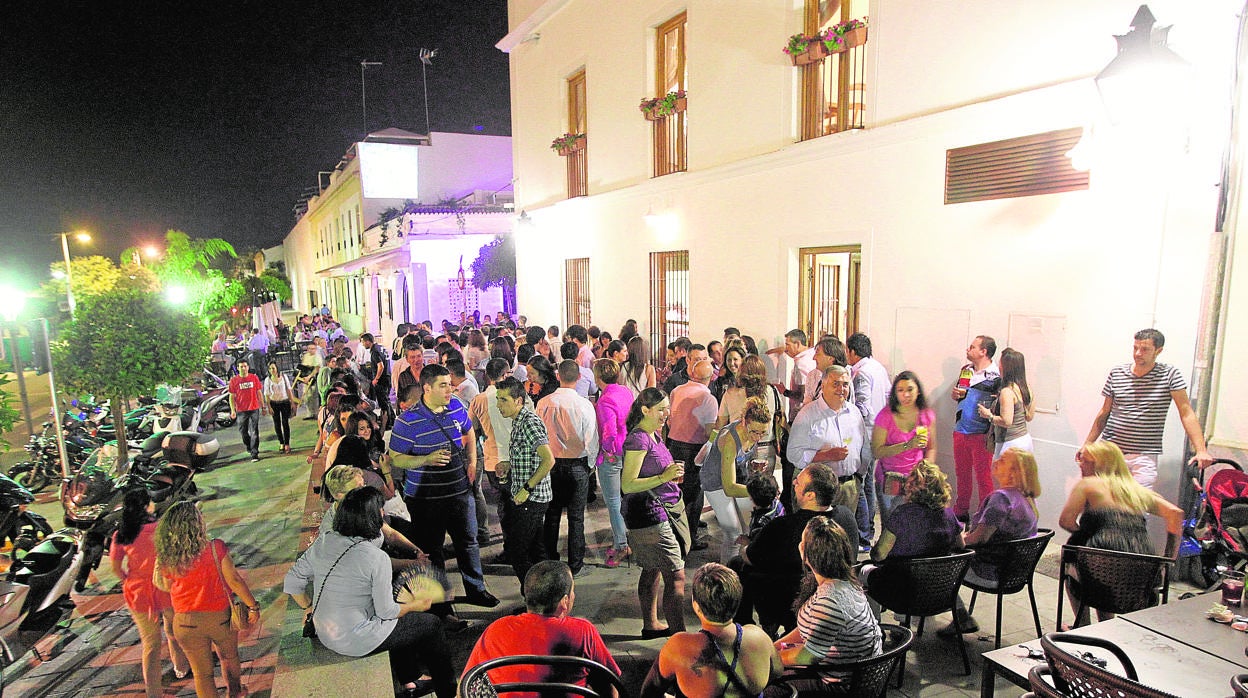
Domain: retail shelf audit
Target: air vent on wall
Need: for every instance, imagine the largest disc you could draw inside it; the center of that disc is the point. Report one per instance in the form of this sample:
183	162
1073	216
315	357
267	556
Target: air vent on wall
1024	166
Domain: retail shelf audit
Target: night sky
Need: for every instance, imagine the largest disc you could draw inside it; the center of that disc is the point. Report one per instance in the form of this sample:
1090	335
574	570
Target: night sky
129	117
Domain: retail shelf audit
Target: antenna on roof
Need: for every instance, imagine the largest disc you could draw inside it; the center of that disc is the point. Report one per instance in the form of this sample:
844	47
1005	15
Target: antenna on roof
426	59
363	104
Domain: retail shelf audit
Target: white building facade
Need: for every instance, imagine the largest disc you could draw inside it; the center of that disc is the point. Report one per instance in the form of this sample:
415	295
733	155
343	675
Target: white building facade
391	234
872	222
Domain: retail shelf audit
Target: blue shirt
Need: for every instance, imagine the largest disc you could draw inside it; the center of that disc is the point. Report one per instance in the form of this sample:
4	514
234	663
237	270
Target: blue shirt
969	421
421	431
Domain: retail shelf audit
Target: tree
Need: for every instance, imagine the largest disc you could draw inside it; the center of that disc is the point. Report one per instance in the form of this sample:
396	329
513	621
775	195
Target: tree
124	343
495	265
192	264
93	275
8	412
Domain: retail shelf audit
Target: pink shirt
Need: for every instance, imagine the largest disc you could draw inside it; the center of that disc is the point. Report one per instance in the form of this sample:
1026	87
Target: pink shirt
612	409
585	357
905	461
693	406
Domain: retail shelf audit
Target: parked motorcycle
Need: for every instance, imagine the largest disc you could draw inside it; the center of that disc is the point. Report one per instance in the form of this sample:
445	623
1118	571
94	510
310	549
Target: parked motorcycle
18	524
165	464
44	464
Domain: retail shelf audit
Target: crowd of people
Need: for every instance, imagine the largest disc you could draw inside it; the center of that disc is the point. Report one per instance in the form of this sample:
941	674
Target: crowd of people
802	476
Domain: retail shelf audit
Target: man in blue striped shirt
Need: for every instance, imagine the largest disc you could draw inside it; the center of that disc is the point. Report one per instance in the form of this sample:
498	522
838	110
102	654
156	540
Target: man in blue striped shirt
433	447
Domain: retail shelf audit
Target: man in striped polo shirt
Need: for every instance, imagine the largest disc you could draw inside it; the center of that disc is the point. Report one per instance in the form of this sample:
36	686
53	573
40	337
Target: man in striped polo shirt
1137	398
434	450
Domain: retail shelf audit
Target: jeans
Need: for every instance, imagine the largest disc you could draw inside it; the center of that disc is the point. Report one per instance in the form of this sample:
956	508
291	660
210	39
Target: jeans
569	480
609	481
281	420
418	639
434	518
504	498
691	487
973	466
249	427
867	506
522	536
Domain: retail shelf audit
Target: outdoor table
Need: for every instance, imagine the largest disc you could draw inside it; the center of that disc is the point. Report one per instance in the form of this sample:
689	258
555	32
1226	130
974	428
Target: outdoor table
1185	622
1161	661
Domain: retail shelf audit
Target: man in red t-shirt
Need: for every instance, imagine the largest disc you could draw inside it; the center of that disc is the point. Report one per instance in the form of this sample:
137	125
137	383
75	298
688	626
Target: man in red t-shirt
246	406
546	628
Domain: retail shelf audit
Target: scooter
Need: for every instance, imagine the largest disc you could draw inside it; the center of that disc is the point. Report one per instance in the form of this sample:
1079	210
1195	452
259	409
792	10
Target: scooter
165	464
18	523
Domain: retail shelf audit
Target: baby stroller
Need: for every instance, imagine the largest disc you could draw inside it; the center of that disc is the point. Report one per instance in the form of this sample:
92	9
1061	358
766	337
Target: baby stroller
1219	525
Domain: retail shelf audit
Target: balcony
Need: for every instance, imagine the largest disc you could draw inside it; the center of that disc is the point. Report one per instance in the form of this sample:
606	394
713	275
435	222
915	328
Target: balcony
833	85
667	122
578	174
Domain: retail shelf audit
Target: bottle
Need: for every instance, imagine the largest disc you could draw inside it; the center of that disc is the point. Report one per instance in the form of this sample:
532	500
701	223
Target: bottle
964	378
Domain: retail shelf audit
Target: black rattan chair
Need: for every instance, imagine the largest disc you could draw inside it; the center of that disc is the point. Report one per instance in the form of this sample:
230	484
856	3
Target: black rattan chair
476	681
1112	581
921	586
1015	562
866	677
1041	682
1076	677
1237	684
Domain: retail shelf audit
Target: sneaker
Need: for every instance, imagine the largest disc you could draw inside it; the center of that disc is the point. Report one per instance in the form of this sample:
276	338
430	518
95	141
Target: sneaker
255	459
480	598
583	571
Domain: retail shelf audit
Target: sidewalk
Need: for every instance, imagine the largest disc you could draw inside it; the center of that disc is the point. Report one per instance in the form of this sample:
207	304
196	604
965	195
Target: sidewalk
257	508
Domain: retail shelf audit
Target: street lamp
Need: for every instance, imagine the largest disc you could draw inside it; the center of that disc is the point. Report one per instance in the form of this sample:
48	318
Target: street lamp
80	236
1145	78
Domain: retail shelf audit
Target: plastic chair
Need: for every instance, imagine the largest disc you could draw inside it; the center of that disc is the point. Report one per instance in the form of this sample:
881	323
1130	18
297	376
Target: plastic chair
1015	562
1237	684
476	682
1076	677
866	677
1041	682
1111	581
922	586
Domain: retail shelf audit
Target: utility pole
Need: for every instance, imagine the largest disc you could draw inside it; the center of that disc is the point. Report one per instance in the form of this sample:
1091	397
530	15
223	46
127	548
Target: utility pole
363	101
426	59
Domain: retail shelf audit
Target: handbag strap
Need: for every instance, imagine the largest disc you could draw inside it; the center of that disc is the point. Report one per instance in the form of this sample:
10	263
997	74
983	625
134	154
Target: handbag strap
317	601
212	546
455	445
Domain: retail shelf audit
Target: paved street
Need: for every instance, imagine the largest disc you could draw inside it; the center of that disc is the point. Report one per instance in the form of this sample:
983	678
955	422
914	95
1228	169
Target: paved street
258	508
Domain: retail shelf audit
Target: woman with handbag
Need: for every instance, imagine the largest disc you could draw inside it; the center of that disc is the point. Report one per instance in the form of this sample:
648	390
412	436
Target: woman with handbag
201	580
281	396
133	555
751	382
352	606
658	532
901	438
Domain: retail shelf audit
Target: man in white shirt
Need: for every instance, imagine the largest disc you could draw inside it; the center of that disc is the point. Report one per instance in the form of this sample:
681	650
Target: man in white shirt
572	428
828	350
464	383
496	432
871	387
803	358
831	430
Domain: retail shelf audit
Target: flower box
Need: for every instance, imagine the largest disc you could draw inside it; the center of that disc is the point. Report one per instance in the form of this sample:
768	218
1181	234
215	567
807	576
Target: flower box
568	143
815	52
662	107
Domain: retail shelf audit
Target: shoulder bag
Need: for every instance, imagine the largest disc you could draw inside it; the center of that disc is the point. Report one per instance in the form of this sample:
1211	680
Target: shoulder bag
239	615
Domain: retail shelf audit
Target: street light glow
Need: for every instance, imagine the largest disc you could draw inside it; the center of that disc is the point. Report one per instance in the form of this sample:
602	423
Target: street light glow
82	236
176	295
16	300
151	251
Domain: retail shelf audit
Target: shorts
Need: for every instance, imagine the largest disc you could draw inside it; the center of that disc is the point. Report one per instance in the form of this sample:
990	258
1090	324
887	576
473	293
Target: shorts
656	548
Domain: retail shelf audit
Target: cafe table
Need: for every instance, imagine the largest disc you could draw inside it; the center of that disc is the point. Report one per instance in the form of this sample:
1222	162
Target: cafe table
1161	661
1185	621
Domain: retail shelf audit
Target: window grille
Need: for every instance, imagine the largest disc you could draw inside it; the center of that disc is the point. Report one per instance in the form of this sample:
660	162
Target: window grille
669	300
576	291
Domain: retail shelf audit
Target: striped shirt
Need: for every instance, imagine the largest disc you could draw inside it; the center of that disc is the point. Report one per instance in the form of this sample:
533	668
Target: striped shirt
421	431
527	433
837	624
1137	417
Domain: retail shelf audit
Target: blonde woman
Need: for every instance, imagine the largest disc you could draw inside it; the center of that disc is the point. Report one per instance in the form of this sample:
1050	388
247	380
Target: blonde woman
199	575
1009	513
1106	510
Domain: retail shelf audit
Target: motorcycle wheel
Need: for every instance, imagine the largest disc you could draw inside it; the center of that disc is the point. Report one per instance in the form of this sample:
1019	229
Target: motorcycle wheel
32	477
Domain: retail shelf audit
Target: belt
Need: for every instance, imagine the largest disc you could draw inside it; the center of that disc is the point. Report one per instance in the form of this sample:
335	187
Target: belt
844	478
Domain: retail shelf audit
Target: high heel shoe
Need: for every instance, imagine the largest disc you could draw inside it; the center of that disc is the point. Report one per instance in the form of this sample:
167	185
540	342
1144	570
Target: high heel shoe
611	561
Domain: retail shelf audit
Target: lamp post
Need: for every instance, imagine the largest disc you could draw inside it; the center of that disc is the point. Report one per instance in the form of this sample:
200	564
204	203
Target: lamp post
80	236
1145	77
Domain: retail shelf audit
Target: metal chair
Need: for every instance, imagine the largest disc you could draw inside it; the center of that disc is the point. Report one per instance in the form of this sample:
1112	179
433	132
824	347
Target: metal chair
1113	581
1074	676
1015	563
476	682
1040	679
865	677
922	586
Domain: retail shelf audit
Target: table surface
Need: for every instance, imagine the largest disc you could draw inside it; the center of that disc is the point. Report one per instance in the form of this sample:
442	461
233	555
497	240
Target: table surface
1161	661
1185	622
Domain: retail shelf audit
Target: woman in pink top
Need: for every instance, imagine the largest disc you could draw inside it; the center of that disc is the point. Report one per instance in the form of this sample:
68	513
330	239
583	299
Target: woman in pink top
612	407
901	438
199	576
133	555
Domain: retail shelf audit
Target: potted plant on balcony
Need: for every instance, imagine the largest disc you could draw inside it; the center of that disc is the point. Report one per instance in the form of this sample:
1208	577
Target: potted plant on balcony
805	49
662	107
844	36
568	143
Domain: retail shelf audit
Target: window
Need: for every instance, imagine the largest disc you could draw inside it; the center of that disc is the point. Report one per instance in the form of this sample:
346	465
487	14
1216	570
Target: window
828	290
832	87
670	75
576	291
669	300
578	175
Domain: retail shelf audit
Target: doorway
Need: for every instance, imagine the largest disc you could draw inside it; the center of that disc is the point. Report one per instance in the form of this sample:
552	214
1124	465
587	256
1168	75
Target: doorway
829	290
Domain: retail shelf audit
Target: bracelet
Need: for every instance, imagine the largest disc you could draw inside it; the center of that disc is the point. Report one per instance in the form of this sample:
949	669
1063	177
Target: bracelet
527	488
